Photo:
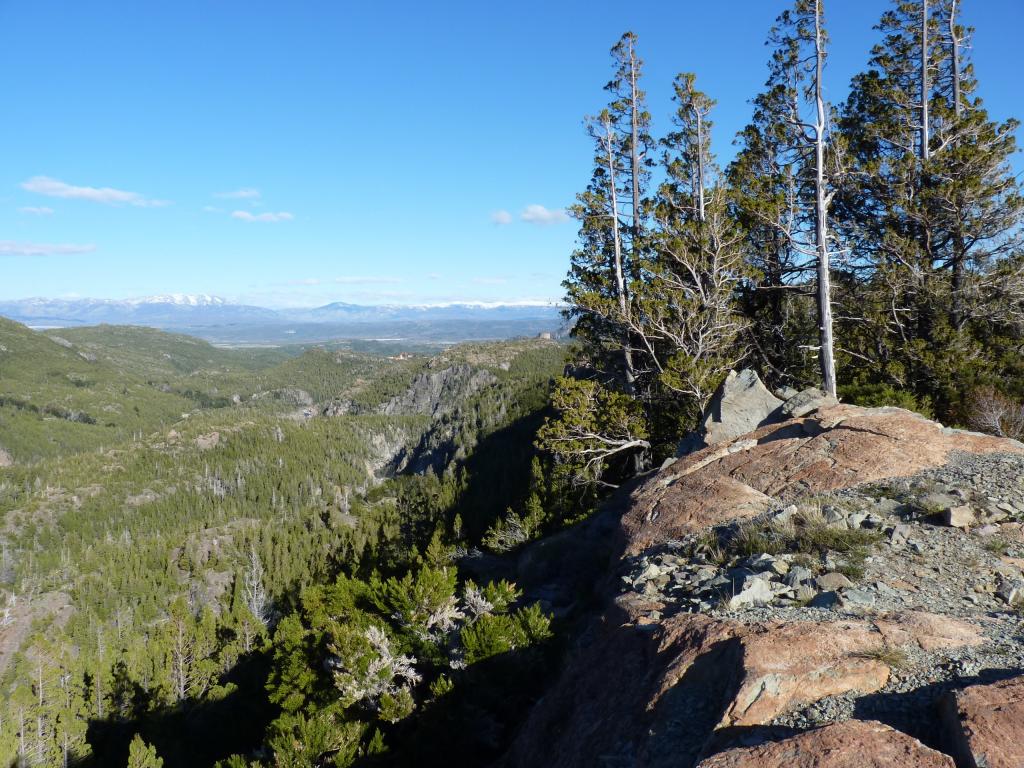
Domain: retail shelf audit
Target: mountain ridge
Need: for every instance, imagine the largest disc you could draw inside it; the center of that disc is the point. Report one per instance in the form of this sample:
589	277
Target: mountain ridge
217	319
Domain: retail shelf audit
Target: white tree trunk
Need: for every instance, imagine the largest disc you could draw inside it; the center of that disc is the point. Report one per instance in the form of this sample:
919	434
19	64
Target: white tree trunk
955	44
620	278
827	352
700	165
925	88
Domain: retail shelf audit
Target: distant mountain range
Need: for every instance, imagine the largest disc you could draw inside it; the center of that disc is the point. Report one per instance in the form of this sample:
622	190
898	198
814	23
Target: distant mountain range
218	320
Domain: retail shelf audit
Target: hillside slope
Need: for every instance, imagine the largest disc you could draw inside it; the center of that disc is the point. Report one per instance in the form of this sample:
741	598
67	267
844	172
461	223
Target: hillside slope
56	399
841	589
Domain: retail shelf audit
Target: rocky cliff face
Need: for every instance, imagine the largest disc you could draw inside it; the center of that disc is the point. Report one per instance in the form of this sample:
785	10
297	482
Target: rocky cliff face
435	393
838	589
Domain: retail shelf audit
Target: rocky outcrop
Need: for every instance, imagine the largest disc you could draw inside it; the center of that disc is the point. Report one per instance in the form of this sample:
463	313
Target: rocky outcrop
853	744
795	577
986	724
434	393
6	460
837	447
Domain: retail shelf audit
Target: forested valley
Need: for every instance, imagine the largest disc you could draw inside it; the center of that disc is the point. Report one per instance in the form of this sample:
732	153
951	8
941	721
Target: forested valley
301	557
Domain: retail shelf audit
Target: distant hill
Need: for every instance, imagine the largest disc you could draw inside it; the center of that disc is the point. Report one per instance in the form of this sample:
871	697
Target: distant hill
57	399
223	322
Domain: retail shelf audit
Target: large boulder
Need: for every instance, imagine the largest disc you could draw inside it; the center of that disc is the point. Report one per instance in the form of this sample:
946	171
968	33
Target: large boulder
986	724
741	405
6	460
850	744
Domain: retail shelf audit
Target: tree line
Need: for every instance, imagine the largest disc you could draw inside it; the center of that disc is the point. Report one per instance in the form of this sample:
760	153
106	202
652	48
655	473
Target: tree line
871	248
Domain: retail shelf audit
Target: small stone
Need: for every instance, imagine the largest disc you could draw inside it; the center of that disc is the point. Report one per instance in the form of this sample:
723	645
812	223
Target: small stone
832	581
960	516
857	519
799	575
938	502
888	506
755	592
1011	591
786	515
899	536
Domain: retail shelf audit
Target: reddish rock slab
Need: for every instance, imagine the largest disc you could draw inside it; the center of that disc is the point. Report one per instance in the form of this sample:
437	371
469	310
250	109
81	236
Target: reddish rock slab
986	724
836	448
787	665
927	631
652	696
852	744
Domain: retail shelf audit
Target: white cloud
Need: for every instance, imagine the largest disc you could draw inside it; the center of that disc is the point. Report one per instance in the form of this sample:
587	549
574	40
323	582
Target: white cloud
37	210
44	185
11	248
538	214
501	218
211	209
245	193
490	280
265	217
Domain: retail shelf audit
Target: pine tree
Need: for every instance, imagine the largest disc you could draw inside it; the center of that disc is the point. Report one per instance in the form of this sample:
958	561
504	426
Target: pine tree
607	267
689	320
932	210
143	755
783	181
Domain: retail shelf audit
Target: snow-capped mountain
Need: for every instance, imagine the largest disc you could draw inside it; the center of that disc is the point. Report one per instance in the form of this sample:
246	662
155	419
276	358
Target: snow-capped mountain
217	319
167	311
182	300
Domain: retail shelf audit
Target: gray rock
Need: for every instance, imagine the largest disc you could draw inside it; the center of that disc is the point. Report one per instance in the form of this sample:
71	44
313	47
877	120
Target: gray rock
808	401
832	581
799	575
961	516
938	502
856	598
741	405
888	506
785	393
765	562
834	518
755	592
900	535
857	519
1011	591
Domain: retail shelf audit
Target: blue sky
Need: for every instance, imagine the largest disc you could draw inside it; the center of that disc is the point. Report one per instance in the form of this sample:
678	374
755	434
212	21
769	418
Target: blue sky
296	153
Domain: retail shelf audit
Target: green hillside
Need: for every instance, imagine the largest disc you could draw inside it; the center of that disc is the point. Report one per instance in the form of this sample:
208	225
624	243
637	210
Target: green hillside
151	353
56	399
